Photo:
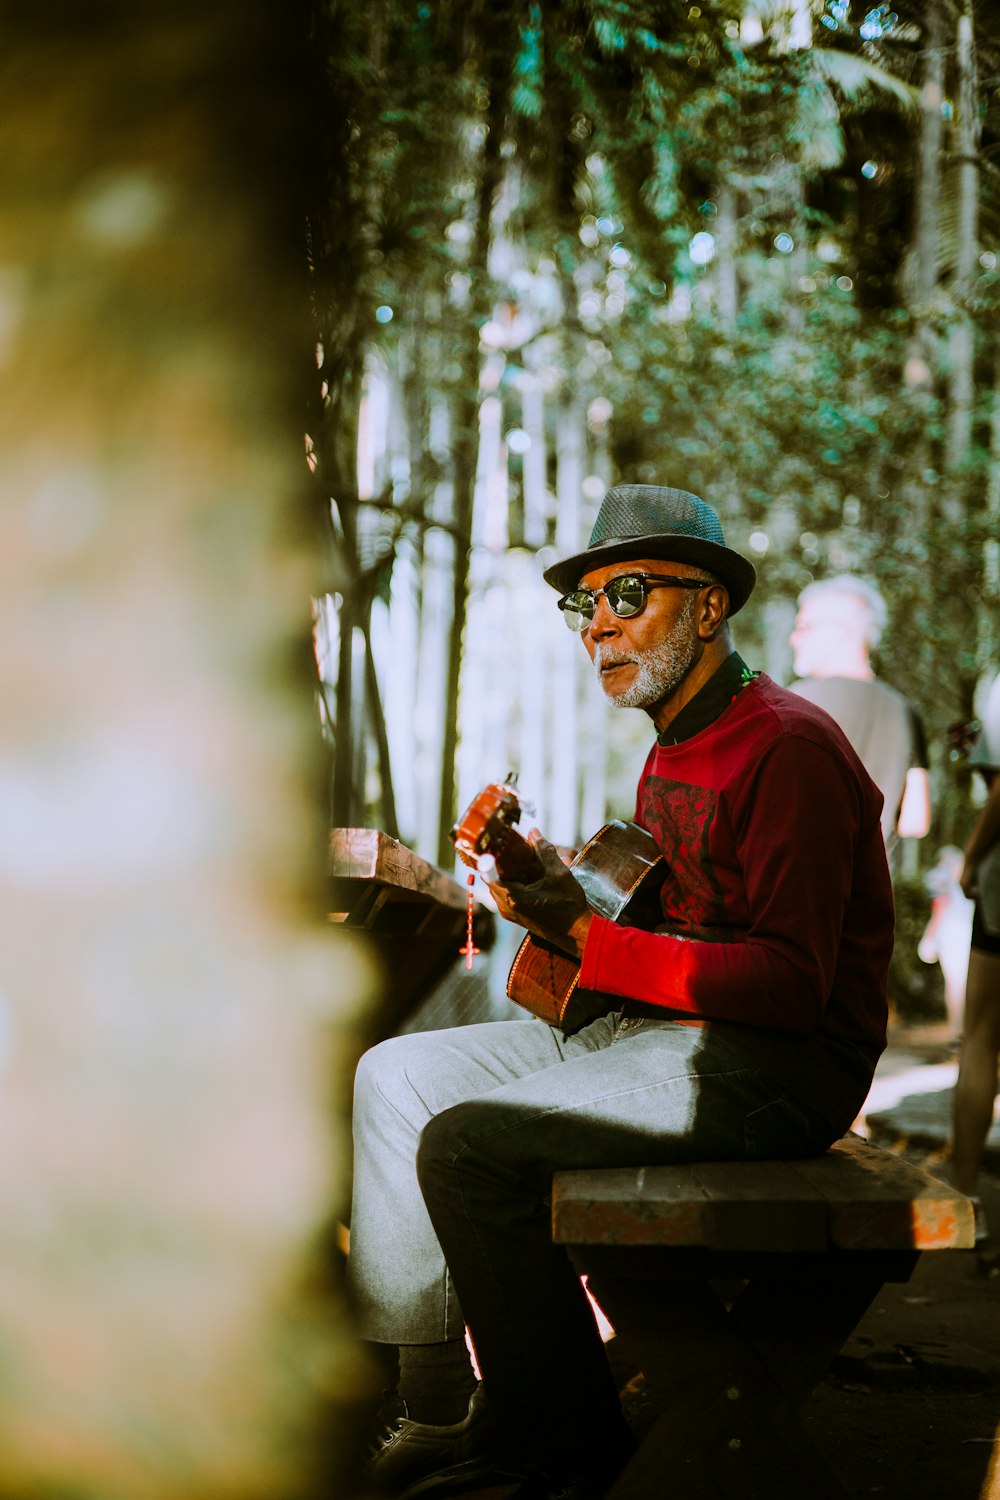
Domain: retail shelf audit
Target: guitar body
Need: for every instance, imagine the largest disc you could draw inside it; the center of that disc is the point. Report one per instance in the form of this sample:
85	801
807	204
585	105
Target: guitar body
621	871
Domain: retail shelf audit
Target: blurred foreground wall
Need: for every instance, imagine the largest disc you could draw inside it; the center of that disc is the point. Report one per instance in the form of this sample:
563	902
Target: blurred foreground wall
173	1016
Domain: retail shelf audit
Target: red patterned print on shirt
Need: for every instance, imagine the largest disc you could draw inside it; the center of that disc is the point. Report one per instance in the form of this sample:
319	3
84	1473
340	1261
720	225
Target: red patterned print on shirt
679	816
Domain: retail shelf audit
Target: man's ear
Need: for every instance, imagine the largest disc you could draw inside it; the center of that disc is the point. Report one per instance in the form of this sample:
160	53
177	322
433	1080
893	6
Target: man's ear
714	611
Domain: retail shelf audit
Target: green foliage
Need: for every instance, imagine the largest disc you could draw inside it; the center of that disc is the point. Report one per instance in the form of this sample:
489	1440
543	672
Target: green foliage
809	417
585	145
861	81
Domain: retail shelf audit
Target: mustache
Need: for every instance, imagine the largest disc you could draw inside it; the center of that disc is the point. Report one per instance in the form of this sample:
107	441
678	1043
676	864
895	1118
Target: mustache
605	657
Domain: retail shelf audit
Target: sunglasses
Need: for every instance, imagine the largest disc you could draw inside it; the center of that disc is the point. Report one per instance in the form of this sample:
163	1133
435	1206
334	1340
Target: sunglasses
625	594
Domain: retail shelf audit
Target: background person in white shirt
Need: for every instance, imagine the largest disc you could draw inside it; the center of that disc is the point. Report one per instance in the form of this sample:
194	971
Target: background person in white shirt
839	624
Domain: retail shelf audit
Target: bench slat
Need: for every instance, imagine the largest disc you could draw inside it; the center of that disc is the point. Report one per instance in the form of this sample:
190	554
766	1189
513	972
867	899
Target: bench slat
857	1197
771	1209
712	1205
625	1205
878	1201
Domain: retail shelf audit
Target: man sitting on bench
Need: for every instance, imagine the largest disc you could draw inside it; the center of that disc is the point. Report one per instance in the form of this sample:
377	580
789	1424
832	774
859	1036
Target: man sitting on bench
745	1027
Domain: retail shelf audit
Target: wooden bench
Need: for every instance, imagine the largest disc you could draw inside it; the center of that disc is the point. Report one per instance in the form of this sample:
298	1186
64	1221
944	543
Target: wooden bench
732	1287
410	915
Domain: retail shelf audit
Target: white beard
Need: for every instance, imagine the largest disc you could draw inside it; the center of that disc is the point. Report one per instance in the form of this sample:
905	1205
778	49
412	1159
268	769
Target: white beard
660	670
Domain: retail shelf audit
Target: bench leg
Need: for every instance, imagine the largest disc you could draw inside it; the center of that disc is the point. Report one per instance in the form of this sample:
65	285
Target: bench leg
773	1318
727	1430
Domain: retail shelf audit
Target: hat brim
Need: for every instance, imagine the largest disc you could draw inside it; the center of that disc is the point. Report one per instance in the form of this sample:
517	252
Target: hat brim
731	568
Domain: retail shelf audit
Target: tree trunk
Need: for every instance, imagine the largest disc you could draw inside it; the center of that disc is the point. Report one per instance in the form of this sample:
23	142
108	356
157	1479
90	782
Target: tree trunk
174	1007
921	362
380	734
988	635
343	808
798	259
565	765
925	240
465	430
725	257
961	388
535	489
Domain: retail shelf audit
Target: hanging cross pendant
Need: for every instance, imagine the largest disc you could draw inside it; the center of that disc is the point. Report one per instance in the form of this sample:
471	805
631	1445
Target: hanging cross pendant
470	950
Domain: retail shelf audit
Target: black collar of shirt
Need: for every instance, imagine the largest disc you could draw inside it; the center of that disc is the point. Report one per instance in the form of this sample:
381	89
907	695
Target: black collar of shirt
709	701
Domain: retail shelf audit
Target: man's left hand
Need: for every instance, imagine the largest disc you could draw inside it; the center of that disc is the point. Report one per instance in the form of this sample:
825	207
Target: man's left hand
554	907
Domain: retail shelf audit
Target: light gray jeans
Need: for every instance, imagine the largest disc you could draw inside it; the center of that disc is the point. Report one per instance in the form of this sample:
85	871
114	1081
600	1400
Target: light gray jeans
457	1134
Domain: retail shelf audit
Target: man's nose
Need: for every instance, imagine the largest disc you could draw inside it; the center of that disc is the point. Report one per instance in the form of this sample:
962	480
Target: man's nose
605	621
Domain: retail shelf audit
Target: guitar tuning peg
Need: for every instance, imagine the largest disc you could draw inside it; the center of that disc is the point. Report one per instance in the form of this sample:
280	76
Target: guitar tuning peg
523	805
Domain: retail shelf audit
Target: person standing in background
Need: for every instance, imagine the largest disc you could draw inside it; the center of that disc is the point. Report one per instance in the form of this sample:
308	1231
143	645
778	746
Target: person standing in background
839	624
975	1091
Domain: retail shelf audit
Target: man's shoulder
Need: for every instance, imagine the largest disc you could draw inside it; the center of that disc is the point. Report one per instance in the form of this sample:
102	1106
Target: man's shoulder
795	737
781	714
790	711
766	738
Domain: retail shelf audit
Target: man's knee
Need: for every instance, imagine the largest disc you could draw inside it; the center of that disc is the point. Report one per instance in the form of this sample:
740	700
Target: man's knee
442	1141
383	1077
476	1143
371	1066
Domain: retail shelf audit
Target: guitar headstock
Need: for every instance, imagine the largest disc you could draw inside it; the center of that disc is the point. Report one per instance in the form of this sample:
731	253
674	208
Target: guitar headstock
488	826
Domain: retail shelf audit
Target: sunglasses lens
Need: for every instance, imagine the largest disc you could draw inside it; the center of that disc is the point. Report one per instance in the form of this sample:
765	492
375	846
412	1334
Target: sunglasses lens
626	596
577	609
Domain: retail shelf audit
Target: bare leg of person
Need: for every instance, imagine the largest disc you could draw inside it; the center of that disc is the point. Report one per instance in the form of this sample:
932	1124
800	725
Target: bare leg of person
976	1088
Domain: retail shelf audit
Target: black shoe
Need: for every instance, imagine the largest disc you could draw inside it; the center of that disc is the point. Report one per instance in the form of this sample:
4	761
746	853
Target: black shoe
407	1458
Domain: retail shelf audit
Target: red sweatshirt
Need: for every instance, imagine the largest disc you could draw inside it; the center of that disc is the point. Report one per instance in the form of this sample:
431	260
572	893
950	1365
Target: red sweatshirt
777	906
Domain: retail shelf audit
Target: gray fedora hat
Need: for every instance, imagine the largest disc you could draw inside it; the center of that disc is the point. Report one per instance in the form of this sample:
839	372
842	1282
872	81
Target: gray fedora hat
649	520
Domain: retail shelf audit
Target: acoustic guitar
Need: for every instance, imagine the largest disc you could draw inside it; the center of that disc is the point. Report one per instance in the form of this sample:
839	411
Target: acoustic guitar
621	870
